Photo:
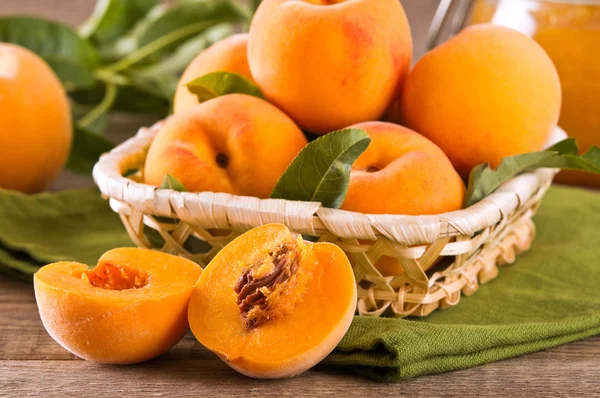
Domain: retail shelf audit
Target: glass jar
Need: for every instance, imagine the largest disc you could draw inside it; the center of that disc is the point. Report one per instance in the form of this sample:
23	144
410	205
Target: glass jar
569	31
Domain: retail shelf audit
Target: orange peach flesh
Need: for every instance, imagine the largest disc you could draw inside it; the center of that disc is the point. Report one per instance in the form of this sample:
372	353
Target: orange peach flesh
130	308
286	345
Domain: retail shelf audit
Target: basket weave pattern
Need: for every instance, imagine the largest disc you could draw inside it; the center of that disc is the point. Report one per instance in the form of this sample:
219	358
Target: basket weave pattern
441	256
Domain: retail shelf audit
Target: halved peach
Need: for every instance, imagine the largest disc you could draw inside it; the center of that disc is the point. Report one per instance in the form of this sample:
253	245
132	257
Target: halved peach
130	308
271	305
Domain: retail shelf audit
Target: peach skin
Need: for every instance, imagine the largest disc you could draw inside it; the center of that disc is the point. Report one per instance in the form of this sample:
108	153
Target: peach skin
236	144
487	93
227	55
329	64
130	308
402	172
35	121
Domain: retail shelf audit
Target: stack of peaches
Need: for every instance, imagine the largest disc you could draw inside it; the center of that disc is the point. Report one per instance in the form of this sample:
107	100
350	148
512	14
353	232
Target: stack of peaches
270	304
326	65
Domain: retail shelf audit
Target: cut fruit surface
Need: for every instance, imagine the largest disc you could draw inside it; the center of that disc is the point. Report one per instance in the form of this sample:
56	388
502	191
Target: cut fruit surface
271	305
130	308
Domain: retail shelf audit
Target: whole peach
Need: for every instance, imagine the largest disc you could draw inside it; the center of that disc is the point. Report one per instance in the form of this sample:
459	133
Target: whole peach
327	63
35	121
487	93
236	143
402	172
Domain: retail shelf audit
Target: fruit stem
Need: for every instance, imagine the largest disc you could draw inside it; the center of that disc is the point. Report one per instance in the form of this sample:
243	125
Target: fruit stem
110	95
110	77
157	45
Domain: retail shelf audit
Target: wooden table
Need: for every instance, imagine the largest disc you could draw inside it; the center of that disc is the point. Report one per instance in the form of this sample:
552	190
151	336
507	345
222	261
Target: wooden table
32	364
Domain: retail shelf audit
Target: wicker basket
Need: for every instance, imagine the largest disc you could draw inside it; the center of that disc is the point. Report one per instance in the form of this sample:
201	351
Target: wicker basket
441	255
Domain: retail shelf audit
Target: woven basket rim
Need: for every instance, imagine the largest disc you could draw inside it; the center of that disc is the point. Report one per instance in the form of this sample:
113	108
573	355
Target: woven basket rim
107	174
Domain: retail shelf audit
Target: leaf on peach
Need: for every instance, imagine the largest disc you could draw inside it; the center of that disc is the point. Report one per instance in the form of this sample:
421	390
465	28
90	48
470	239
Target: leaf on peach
321	171
217	84
170	182
484	180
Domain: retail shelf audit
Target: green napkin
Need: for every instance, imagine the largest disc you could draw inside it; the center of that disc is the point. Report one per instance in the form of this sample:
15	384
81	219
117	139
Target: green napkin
548	297
73	225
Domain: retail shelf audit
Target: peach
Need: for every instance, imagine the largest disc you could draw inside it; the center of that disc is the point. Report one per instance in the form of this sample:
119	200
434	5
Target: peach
130	308
271	305
35	121
236	143
402	172
329	64
227	55
487	93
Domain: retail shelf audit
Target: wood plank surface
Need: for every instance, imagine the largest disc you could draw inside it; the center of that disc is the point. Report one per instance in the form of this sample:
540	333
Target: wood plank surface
32	364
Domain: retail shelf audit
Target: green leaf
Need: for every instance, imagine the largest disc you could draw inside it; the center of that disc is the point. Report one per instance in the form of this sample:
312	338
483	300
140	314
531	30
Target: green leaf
249	8
73	76
484	180
71	225
176	62
95	118
86	150
222	83
567	146
111	19
168	26
589	161
135	100
161	86
170	182
130	42
321	171
89	95
192	16
97	127
254	4
130	99
161	79
72	57
48	39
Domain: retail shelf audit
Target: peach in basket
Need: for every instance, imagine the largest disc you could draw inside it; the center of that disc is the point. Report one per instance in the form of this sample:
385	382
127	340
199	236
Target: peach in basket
236	144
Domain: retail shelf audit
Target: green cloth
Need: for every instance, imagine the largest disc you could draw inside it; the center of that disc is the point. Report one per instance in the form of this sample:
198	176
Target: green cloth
73	225
548	297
